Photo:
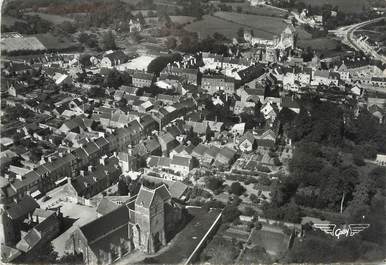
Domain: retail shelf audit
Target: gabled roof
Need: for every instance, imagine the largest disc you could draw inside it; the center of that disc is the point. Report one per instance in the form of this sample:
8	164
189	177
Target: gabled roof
146	196
247	136
268	133
105	206
22	208
226	154
199	149
180	161
101	142
105	224
91	148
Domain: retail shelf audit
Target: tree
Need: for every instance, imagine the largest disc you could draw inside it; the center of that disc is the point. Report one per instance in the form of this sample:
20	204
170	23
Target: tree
358	159
171	43
90	40
84	60
240	33
159	63
237	188
96	92
249	211
230	213
123	189
213	183
109	41
164	19
116	79
68	27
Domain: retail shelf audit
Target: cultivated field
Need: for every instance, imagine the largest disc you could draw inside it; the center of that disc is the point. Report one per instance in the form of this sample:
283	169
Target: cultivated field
182	19
210	24
350	6
262	23
228	23
55	19
257	10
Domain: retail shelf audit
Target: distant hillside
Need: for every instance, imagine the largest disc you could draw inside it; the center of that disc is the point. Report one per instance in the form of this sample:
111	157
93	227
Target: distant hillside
349	6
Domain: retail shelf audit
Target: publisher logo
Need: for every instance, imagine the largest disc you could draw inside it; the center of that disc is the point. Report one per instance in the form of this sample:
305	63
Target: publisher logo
341	231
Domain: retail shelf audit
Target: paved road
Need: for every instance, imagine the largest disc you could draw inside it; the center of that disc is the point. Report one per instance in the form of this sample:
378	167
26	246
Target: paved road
347	34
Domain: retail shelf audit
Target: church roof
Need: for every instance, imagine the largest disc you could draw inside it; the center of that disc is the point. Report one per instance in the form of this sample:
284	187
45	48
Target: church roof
105	224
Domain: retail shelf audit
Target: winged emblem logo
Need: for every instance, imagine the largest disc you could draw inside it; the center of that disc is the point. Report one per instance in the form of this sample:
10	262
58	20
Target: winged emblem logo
345	230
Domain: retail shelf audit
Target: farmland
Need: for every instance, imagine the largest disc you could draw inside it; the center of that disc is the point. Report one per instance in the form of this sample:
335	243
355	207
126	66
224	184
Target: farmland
54	19
256	10
228	23
349	6
182	19
210	24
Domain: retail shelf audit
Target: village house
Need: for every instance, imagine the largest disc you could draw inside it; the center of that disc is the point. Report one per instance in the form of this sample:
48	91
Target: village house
266	140
214	84
189	75
142	79
247	143
327	78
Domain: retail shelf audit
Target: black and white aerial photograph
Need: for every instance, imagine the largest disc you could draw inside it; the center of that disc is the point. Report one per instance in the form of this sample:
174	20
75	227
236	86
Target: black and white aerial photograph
193	132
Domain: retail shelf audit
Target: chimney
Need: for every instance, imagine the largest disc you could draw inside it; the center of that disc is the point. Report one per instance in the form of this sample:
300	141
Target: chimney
69	180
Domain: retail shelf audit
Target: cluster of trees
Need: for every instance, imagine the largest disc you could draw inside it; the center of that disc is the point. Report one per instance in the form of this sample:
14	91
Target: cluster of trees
319	122
28	25
323	177
128	186
159	63
89	40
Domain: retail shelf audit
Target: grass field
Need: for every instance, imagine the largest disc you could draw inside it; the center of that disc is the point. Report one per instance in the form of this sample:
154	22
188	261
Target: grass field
349	6
209	25
258	10
55	43
9	21
55	19
228	23
182	19
319	44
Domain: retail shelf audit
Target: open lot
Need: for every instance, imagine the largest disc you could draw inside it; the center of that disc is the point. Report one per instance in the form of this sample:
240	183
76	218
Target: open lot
139	63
